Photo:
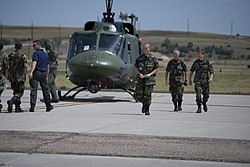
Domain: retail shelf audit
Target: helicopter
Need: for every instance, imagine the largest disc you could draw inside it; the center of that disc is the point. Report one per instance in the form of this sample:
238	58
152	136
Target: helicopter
102	55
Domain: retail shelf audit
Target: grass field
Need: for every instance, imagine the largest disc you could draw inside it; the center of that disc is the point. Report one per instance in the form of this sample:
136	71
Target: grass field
222	84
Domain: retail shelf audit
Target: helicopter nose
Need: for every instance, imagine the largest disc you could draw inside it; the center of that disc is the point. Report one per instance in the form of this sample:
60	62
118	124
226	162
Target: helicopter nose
94	63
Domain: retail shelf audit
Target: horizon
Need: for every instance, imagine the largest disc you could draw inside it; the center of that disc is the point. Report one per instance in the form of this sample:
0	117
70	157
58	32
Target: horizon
56	27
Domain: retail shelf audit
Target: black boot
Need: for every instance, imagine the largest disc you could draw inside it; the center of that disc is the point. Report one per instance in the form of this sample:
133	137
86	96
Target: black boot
1	106
205	107
143	108
32	108
179	105
199	108
10	105
175	106
18	109
147	110
49	108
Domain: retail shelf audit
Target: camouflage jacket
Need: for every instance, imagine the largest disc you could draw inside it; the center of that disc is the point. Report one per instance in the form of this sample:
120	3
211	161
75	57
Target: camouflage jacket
176	68
146	65
203	70
52	58
3	62
16	67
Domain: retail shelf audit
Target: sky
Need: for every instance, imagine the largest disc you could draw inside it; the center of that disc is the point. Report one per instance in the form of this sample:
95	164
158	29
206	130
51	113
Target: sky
211	16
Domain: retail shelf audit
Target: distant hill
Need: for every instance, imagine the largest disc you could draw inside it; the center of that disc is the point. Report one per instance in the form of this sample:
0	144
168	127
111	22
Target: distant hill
239	46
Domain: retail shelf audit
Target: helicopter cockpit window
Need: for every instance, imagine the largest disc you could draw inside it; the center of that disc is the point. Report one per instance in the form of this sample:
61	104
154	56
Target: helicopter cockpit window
111	43
110	28
84	42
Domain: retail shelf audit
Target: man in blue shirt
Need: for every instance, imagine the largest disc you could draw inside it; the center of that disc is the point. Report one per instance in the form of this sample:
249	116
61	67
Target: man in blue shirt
39	73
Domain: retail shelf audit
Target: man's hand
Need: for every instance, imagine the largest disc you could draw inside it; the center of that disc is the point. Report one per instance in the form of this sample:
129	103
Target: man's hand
30	75
190	82
141	75
146	76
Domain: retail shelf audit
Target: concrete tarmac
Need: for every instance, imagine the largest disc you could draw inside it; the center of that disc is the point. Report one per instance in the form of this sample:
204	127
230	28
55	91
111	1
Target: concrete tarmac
113	116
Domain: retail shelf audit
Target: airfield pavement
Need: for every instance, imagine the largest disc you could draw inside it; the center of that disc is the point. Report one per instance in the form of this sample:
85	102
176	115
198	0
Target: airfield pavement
108	129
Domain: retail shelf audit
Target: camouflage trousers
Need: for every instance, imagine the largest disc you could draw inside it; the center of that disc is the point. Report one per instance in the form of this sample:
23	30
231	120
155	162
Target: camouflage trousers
202	89
18	90
2	80
176	92
51	83
143	93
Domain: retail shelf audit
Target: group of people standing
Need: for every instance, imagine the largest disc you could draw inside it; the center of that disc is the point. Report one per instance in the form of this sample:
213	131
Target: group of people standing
176	77
43	71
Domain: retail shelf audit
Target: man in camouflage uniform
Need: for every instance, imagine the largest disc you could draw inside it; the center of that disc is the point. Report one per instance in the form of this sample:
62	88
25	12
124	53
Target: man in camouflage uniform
176	77
203	77
146	66
52	72
17	67
3	58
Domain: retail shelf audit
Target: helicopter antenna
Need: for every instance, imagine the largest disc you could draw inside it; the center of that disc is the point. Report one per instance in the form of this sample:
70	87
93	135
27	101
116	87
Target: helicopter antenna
108	16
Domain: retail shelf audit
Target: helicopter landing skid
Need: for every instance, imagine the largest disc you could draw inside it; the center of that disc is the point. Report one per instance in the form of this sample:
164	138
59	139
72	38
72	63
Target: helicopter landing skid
66	96
132	93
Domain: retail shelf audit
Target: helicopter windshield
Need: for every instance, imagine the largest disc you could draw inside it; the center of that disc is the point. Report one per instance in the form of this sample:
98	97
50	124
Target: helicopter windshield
84	42
111	42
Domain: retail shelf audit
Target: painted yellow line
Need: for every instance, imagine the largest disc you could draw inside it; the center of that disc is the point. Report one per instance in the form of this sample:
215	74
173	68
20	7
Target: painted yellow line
54	105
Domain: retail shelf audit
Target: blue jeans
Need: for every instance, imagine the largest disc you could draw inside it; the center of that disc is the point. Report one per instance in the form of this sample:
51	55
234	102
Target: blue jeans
40	77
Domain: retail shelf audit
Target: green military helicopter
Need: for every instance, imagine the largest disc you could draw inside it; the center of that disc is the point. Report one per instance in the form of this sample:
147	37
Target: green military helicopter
102	56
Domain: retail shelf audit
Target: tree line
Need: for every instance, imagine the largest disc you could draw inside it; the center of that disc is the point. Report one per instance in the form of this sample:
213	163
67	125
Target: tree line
167	48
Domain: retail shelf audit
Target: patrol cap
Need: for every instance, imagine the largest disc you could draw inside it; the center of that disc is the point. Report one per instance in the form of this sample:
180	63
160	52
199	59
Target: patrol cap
201	51
18	45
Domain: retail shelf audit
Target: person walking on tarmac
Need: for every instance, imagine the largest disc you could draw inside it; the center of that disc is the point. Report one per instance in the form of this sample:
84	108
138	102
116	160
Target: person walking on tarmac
176	77
203	77
52	72
17	68
39	73
146	66
3	59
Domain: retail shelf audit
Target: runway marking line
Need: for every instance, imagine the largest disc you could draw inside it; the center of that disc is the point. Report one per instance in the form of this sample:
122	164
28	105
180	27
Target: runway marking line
55	106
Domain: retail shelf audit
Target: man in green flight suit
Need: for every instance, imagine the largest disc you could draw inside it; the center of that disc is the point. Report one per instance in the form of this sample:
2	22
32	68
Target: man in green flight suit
146	66
176	77
52	72
3	58
203	77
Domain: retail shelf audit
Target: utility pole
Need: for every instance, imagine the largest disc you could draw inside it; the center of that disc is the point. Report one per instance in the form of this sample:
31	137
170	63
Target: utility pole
188	27
59	38
1	30
31	36
32	30
232	26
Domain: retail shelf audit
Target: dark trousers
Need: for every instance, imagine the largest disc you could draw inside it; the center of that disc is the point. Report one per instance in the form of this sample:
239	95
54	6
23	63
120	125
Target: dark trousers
40	77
